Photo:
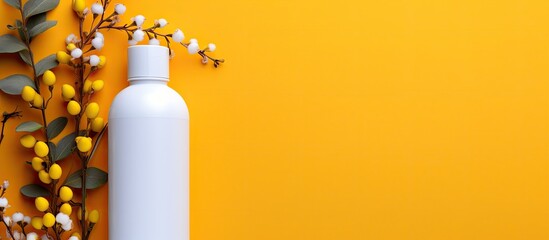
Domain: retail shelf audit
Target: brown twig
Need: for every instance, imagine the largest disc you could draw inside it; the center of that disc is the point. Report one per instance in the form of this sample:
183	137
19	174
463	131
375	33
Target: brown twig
6	117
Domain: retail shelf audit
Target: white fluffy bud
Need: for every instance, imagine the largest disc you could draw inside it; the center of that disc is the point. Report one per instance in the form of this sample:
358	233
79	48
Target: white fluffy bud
154	41
98	43
70	39
193	48
62	218
3	202
178	36
97	8
17	217
211	47
94	60
32	236
120	8
161	22
67	226
76	53
138	35
139	20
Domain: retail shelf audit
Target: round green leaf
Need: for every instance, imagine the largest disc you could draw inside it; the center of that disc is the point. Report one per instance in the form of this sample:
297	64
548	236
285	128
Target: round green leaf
95	178
53	149
34	190
47	63
14	84
25	56
35	20
65	147
33	7
11	44
29	126
42	27
56	126
14	3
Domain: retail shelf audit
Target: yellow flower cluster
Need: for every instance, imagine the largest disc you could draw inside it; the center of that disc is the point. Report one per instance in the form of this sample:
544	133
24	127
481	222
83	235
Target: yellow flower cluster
47	171
66	58
30	95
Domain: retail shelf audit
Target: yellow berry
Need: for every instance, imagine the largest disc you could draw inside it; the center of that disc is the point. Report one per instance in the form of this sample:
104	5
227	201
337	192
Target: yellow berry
41	204
102	61
48	219
63	57
97	124
38	101
97	85
41	149
66	209
73	108
37	164
27	141
36	223
92	110
94	216
71	46
79	5
84	144
28	93
65	193
44	177
79	214
48	78
68	92
87	86
55	171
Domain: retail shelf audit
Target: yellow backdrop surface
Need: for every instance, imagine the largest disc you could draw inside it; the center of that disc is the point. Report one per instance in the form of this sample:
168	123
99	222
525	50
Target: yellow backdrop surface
401	119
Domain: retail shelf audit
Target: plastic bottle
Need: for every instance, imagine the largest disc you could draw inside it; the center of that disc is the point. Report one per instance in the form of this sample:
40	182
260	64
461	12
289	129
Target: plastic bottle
148	153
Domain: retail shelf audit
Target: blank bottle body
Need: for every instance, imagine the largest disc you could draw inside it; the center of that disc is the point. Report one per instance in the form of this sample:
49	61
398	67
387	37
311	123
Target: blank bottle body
148	162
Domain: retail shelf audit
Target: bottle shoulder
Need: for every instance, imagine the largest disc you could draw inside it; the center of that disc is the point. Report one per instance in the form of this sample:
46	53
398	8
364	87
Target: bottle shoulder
148	100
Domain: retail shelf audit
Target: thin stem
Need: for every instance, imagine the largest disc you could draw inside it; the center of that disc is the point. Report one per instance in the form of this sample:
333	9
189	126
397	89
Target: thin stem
91	33
81	69
54	194
83	208
8	229
6	117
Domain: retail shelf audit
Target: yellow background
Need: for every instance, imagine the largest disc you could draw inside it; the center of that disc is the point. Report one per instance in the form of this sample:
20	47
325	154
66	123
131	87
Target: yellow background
418	119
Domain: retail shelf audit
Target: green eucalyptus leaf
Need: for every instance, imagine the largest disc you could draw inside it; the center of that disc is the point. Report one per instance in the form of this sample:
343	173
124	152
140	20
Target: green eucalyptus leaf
53	149
47	63
13	3
42	27
56	126
35	20
29	126
14	84
11	44
25	56
21	30
95	178
65	147
33	7
34	191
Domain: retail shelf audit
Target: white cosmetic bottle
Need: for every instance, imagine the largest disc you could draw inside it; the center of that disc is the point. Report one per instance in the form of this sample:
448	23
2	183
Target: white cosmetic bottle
148	153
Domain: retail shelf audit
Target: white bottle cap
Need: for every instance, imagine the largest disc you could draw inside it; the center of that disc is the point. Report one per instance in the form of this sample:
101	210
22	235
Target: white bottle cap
148	62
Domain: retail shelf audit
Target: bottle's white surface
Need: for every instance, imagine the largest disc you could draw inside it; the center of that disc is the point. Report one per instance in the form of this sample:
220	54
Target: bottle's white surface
148	162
